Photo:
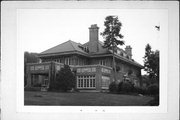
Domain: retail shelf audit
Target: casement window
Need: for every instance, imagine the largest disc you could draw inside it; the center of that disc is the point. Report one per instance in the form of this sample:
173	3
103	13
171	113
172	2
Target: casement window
105	82
67	61
61	60
102	62
77	61
86	81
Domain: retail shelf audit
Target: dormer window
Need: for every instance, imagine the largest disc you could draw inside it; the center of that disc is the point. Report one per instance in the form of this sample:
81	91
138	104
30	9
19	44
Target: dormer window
121	53
84	48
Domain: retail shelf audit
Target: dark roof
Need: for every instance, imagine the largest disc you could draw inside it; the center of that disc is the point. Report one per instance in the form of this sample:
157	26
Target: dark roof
100	46
73	47
105	52
64	47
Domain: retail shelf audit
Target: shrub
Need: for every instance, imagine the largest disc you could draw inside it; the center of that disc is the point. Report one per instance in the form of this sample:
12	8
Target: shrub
37	85
120	86
65	80
113	87
140	90
127	87
153	89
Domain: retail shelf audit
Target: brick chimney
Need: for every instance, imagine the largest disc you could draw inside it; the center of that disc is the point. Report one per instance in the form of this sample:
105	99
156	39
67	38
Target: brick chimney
93	38
128	50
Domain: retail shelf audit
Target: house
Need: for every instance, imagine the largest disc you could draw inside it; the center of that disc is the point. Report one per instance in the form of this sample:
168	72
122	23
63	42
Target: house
90	61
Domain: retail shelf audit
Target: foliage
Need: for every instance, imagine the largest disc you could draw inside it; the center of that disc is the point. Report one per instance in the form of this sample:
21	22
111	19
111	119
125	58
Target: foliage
126	87
153	89
140	90
112	32
29	58
146	80
120	86
113	87
37	85
65	79
130	72
151	63
112	35
118	68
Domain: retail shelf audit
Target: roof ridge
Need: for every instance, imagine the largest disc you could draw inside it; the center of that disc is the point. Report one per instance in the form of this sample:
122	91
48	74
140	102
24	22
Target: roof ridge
72	44
54	46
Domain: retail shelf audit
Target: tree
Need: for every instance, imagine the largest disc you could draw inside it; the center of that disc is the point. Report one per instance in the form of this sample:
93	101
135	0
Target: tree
151	63
65	79
29	58
112	36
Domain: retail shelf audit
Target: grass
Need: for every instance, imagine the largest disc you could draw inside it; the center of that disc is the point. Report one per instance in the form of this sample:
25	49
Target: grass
84	99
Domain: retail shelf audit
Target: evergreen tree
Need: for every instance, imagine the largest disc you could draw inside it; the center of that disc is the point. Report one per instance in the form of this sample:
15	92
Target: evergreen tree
151	63
112	36
65	79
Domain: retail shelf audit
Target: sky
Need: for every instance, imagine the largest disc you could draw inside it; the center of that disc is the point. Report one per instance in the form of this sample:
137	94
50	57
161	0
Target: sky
41	29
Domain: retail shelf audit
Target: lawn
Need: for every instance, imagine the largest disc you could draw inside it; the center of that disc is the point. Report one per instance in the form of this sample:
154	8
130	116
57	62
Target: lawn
84	99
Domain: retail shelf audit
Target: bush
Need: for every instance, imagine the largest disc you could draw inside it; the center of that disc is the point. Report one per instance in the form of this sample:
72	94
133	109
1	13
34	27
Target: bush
113	87
120	86
65	80
153	89
140	90
126	87
37	85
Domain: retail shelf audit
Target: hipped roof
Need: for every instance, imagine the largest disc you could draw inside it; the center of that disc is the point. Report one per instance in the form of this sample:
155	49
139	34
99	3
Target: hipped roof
68	46
73	47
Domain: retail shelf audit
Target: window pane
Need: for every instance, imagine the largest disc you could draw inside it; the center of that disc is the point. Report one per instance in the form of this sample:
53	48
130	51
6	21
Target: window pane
84	82
81	83
88	83
94	83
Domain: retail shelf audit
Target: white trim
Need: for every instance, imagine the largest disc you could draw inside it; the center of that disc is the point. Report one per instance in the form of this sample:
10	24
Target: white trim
81	79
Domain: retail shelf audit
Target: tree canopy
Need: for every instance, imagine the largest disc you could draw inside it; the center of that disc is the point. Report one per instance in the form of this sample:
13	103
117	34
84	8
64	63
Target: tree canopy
111	33
151	63
112	36
30	57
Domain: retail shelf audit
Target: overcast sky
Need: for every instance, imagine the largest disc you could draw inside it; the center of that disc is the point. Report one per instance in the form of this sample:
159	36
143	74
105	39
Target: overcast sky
41	29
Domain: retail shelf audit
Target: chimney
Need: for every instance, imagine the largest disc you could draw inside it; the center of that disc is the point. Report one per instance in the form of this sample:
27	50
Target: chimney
128	50
93	38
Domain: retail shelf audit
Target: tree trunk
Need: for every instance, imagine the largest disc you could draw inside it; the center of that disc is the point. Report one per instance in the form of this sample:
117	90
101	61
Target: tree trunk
114	67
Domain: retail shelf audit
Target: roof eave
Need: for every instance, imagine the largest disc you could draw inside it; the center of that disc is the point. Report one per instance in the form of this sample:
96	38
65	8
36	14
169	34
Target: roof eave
62	53
123	59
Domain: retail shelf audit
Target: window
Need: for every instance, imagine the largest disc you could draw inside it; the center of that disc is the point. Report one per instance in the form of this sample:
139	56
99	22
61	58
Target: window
105	82
86	81
102	62
67	61
77	61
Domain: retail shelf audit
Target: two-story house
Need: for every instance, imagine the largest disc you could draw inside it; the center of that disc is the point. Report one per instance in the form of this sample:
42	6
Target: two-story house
90	61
